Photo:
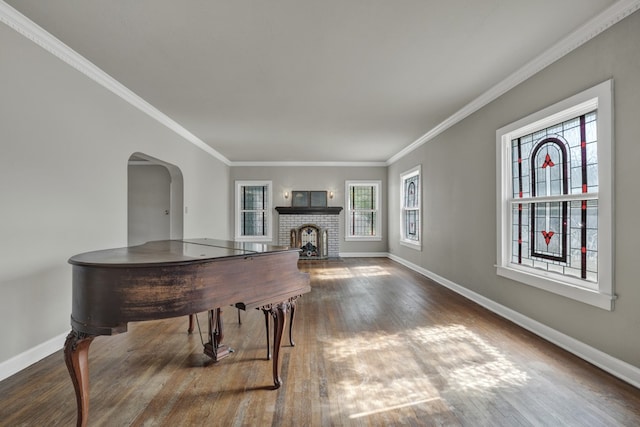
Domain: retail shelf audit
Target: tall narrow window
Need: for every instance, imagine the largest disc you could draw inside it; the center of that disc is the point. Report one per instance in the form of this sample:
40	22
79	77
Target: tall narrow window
411	208
363	210
253	210
555	198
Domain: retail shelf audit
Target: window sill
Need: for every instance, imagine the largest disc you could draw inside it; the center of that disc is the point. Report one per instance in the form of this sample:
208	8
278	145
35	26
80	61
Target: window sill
253	239
584	295
362	238
410	244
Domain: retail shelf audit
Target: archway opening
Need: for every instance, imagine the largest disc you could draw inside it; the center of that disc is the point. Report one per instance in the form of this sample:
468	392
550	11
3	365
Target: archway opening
155	200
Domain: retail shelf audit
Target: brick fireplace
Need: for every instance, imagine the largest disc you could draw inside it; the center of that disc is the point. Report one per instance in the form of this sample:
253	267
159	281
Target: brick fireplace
305	227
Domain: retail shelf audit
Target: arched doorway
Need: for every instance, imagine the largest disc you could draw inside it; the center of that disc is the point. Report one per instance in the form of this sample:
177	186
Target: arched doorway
155	200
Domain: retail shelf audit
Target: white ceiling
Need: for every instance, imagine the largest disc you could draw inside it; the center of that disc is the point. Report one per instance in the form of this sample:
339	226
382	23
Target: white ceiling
310	81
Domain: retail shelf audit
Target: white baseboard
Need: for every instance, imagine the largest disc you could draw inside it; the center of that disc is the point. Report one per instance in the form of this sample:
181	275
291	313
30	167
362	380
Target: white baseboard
31	356
615	367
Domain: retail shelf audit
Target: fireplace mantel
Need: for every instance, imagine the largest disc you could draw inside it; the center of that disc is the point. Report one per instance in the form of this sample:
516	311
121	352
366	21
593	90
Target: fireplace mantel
294	210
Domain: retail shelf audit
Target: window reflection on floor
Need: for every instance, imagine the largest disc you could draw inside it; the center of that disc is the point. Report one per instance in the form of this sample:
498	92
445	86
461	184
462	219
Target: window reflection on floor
336	273
484	366
331	274
371	270
416	368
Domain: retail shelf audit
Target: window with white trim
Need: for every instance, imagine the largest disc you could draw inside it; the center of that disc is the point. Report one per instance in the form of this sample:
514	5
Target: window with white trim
410	215
363	210
554	198
253	211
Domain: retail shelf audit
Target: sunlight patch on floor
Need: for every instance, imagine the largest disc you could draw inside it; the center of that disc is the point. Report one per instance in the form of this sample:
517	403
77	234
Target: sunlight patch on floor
373	375
337	273
414	369
360	396
484	367
371	270
332	274
392	408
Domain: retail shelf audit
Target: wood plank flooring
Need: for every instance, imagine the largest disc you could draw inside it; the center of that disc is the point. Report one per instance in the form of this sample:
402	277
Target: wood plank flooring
376	345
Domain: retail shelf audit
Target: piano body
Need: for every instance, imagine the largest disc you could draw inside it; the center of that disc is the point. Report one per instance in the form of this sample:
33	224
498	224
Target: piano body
171	278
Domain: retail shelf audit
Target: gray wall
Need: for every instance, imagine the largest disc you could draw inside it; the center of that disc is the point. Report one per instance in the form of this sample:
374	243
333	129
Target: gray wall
319	178
65	145
459	195
149	204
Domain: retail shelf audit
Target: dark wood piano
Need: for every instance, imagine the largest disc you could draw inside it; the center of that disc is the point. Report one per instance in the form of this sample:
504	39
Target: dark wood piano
171	278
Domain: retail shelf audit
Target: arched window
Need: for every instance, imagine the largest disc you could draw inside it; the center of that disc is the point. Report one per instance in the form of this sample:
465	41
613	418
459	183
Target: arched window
549	177
411	209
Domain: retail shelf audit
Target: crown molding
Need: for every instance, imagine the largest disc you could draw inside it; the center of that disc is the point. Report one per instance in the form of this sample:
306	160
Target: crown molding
612	15
308	164
35	33
23	25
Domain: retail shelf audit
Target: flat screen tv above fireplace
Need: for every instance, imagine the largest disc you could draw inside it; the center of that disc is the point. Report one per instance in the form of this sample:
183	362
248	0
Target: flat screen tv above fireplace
309	199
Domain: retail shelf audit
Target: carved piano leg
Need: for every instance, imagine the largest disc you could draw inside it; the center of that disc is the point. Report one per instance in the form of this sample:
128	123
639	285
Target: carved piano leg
293	313
278	311
76	356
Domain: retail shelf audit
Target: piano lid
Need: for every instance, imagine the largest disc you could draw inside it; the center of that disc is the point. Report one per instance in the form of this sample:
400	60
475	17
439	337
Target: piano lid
244	246
172	252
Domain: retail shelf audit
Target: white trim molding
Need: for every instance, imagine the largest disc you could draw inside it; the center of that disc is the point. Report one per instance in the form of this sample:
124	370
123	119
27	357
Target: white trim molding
413	244
604	361
350	210
310	164
267	211
27	358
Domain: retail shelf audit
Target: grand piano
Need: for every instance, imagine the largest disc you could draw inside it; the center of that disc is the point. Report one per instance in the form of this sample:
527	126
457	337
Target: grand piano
171	278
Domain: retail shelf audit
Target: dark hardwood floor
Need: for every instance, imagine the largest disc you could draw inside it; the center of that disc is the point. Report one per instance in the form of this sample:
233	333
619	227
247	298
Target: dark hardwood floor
376	345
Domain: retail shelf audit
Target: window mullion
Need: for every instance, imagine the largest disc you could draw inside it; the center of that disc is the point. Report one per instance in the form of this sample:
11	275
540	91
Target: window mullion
559	198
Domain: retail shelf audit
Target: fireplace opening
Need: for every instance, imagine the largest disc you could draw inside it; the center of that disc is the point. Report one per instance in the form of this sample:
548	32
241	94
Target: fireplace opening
312	241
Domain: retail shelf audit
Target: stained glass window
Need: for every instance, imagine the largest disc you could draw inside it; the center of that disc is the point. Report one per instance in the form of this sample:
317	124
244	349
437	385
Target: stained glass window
555	198
254	210
554	205
253	204
411	207
363	212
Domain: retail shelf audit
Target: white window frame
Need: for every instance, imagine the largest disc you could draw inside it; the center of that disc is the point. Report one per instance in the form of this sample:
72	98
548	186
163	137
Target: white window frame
600	294
413	244
350	210
268	211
